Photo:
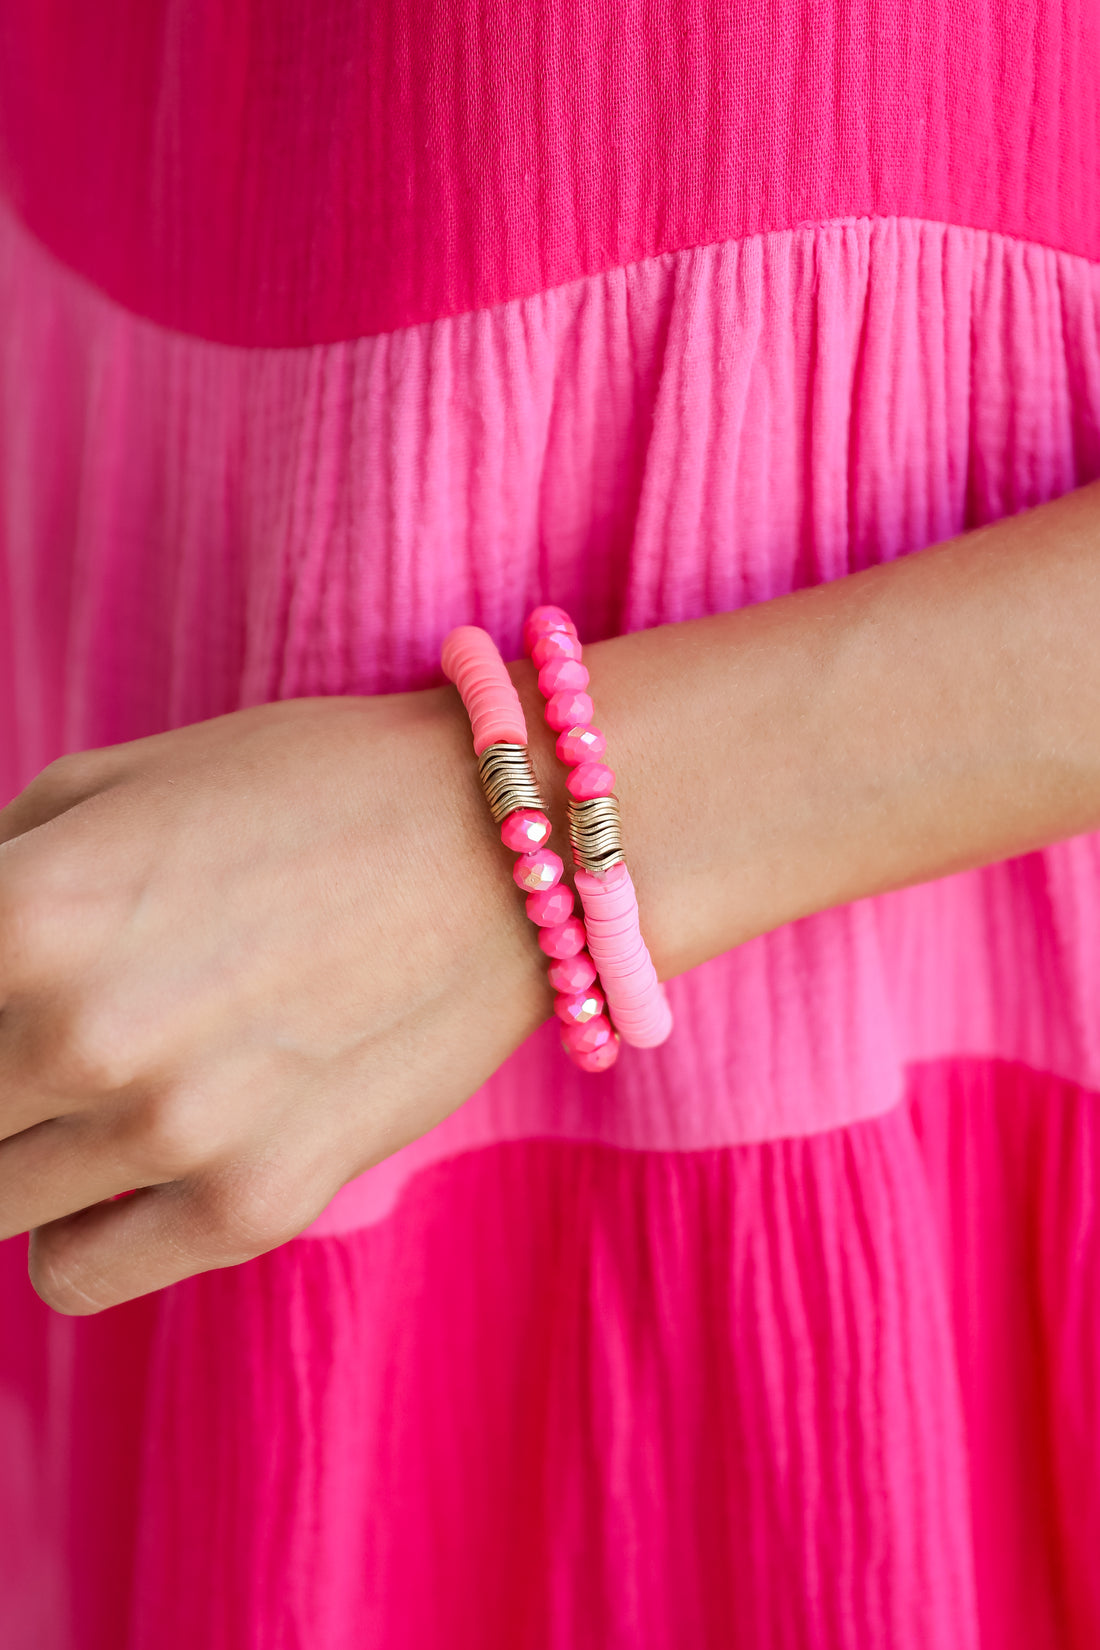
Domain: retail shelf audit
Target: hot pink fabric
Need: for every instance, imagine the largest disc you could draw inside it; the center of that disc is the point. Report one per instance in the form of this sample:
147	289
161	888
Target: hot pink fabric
817	1394
277	172
733	1345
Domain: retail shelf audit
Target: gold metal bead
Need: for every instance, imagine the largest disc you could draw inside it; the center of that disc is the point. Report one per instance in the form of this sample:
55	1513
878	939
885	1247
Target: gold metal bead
508	780
595	833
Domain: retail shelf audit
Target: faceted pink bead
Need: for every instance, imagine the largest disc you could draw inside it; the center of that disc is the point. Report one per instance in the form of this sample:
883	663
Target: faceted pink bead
563	941
524	830
590	779
560	644
580	745
578	1007
542	869
582	1039
543	621
572	974
550	906
597	1059
568	710
561	674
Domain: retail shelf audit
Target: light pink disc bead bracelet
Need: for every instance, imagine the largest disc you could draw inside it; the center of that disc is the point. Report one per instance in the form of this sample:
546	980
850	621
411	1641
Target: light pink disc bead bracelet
635	997
473	663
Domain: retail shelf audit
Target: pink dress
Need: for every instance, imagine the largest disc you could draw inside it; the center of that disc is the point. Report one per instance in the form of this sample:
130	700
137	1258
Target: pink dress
325	327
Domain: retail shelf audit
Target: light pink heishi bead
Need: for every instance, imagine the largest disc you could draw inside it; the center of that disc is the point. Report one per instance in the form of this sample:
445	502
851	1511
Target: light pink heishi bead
596	1059
572	974
568	710
561	674
576	745
563	941
542	621
560	644
576	1008
536	871
590	779
550	906
583	1039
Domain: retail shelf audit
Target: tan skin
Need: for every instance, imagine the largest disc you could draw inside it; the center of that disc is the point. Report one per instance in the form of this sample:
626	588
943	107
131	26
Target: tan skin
243	961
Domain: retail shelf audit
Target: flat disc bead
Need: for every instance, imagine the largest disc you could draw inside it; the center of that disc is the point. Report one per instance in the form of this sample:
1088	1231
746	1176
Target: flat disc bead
569	710
582	1039
525	830
560	644
533	872
596	1059
561	676
576	745
590	779
563	941
550	906
576	1008
572	974
543	621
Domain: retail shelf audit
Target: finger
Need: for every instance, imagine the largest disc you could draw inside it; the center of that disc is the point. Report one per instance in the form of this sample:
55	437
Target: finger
61	786
58	1168
26	1103
159	1236
45	1072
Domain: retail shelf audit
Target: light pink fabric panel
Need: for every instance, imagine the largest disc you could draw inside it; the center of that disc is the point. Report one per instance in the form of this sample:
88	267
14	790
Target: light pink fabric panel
185	528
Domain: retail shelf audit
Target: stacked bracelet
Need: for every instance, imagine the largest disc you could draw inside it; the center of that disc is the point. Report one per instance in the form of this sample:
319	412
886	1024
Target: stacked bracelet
471	660
637	1001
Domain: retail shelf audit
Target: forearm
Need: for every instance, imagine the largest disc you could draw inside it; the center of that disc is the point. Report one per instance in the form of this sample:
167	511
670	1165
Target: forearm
920	718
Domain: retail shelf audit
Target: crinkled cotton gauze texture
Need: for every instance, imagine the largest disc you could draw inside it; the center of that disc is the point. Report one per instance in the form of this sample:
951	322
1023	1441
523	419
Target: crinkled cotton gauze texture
324	329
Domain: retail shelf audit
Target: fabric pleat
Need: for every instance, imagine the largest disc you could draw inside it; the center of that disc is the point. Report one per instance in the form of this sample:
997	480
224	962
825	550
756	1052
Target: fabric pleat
325	329
827	1393
682	436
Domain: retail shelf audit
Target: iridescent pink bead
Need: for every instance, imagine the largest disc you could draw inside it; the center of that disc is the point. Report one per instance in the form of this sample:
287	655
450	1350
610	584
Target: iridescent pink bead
576	1008
590	779
596	1059
550	906
560	675
536	871
560	644
543	621
563	941
582	1039
524	830
577	745
568	710
571	974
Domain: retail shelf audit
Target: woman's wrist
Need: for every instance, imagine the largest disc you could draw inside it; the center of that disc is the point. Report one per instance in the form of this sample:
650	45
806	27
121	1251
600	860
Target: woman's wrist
894	726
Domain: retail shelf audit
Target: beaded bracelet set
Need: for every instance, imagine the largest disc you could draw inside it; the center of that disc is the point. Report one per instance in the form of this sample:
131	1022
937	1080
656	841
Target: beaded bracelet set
601	964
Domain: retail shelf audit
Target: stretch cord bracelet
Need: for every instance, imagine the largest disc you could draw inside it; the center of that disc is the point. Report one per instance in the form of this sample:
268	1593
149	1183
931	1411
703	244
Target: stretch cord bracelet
635	997
471	660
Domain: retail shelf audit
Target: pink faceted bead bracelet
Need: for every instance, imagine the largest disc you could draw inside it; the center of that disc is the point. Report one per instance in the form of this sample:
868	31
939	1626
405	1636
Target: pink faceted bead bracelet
637	1000
474	665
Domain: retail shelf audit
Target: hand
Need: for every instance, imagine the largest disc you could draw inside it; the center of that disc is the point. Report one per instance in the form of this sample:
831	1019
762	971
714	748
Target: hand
239	964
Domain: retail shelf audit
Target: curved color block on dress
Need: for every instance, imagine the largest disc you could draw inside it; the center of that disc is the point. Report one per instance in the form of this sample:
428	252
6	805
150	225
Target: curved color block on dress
326	327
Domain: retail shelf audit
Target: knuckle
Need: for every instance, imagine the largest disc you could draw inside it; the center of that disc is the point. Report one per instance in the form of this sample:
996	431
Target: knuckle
44	912
96	1051
171	1135
253	1214
32	919
63	774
